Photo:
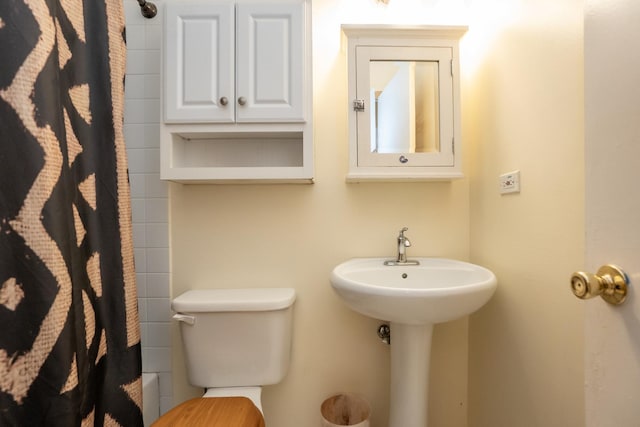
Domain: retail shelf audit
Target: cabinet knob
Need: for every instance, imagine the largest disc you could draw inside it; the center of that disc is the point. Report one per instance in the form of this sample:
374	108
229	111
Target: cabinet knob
224	101
242	100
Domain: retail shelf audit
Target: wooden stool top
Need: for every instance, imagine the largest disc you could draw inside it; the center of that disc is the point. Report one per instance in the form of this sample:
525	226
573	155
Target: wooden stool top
213	412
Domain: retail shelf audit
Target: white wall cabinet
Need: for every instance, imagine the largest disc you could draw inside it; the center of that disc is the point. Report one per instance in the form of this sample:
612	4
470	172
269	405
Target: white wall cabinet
237	91
404	96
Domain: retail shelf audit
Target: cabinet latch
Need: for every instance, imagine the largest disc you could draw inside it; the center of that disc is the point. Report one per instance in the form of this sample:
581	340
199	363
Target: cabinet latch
358	105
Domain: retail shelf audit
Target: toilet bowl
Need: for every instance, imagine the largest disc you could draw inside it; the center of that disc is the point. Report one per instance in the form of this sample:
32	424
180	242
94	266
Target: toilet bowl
235	341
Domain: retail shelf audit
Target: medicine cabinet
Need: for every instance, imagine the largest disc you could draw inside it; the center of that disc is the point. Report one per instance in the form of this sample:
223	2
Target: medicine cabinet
237	92
404	102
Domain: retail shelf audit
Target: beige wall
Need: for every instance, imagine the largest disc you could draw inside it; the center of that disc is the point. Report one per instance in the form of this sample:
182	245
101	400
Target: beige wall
524	111
293	235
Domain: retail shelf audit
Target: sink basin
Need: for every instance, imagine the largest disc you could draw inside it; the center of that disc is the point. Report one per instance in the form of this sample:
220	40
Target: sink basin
412	298
435	291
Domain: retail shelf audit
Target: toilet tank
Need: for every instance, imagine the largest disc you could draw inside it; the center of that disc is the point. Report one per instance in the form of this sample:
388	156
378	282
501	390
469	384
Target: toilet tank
235	337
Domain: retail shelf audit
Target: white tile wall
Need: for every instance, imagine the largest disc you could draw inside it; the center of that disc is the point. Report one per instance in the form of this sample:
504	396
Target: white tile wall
149	196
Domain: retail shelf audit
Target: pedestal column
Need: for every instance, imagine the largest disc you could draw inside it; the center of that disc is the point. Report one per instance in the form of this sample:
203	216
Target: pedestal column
410	356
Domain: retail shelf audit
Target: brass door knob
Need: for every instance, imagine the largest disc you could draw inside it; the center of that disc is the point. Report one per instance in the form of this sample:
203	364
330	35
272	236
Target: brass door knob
610	282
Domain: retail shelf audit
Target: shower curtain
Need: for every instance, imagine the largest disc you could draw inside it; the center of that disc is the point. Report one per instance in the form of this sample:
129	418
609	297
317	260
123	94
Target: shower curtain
69	333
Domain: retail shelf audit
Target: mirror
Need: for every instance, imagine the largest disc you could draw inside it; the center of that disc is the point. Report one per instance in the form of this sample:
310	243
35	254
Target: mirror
404	106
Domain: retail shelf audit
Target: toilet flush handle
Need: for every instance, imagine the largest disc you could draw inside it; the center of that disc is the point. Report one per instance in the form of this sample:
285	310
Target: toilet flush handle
190	320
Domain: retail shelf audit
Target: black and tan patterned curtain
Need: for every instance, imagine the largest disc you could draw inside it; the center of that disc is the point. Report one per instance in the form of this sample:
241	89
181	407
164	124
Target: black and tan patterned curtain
69	333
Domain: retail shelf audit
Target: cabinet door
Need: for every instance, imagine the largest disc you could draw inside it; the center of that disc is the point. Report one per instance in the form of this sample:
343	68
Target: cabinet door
408	118
198	62
270	62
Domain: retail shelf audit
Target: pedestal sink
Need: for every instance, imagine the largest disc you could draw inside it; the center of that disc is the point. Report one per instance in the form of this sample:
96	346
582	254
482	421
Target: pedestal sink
412	298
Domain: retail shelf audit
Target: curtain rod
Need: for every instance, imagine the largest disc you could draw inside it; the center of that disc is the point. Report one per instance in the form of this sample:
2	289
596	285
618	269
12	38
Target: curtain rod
148	9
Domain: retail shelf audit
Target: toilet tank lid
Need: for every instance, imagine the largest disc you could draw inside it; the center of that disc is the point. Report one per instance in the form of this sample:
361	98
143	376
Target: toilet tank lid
217	300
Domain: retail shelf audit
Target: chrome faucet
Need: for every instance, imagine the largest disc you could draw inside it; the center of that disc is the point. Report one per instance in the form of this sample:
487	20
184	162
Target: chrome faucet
403	244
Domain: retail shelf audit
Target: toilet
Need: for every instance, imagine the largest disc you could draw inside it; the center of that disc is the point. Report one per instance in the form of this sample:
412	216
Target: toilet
235	341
